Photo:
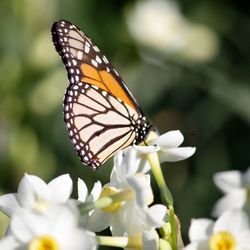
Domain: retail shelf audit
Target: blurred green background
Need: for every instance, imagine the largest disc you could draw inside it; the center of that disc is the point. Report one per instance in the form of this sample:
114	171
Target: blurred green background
186	62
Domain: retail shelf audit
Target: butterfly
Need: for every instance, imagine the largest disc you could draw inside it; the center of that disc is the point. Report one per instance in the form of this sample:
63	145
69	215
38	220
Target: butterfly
101	114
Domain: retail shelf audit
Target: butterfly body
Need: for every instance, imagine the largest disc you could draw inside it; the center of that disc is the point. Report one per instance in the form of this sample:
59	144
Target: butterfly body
101	114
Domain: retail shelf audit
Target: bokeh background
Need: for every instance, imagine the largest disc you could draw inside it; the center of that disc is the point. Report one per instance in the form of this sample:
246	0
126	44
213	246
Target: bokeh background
186	62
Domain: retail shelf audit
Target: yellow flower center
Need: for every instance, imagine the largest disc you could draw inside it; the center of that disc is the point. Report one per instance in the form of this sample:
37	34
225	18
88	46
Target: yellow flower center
107	191
40	206
222	241
43	243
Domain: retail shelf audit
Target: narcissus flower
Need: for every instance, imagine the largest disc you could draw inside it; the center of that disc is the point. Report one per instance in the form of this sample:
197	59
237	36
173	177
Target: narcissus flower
34	194
55	229
230	232
166	30
133	215
235	185
167	146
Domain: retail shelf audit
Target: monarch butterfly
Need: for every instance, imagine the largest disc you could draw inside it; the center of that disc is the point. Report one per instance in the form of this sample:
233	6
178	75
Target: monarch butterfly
101	114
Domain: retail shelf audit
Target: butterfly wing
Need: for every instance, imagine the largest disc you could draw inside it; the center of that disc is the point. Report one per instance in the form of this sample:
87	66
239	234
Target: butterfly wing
101	114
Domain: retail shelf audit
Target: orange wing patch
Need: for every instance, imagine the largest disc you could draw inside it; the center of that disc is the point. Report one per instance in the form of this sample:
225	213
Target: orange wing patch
92	76
105	81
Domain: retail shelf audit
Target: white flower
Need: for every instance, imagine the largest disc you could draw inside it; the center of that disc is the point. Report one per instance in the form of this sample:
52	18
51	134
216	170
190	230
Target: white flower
56	228
167	146
132	216
34	194
235	185
230	232
167	30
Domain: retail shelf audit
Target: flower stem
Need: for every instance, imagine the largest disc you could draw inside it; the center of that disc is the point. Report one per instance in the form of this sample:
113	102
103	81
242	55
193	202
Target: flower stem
122	242
157	172
112	241
103	202
165	193
173	227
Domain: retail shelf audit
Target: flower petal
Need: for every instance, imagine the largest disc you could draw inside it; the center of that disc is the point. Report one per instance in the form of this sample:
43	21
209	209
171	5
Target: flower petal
30	189
150	240
99	220
146	149
142	188
10	243
135	218
234	221
8	203
200	245
25	225
235	199
156	214
78	239
61	188
171	139
176	154
118	226
243	239
228	181
200	229
82	190
95	192
128	162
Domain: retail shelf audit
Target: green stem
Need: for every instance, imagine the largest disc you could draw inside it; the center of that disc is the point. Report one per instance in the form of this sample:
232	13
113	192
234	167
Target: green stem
165	193
173	226
157	172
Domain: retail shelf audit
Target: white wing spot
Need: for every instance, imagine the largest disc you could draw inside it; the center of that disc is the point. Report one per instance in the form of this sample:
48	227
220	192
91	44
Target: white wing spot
116	72
104	58
98	59
79	55
96	48
86	49
94	62
67	116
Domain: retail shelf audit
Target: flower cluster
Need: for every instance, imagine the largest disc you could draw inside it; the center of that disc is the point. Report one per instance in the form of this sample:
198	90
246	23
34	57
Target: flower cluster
231	231
44	216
